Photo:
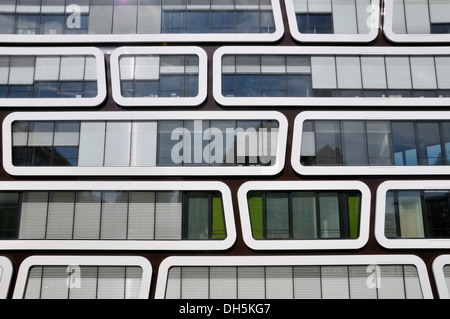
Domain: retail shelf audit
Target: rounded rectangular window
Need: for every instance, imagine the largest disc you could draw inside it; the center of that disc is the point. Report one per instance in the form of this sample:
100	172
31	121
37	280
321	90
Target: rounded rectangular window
414	21
294	277
117	21
441	272
39	77
83	277
145	143
130	216
334	21
371	143
298	215
159	76
412	215
334	77
6	271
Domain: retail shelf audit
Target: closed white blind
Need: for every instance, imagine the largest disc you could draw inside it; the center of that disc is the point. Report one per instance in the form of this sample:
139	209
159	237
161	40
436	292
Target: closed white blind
144	143
273	64
87	288
114	215
111	282
319	6
417	17
248	64
363	14
21	71
100	17
54	282
279	283
335	282
398	17
410	214
359	289
398	72
90	73
439	11
47	69
127	68
118	144
423	73
66	134
125	17
92	144
373	72
412	283
195	283
72	69
348	72
323	72
33	217
251	283
4	70
133	282
141	220
168	215
307	282
443	72
392	282
87	215
173	289
60	215
344	17
223	282
34	282
149	19
147	68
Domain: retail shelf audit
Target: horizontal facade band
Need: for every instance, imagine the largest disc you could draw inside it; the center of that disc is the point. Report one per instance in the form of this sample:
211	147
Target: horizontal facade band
88	277
288	215
145	143
116	216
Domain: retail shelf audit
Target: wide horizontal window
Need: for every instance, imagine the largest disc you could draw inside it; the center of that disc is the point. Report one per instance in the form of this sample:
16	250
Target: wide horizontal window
350	77
417	20
138	20
223	142
336	21
370	143
185	216
6	271
159	76
39	77
340	278
296	215
83	277
415	216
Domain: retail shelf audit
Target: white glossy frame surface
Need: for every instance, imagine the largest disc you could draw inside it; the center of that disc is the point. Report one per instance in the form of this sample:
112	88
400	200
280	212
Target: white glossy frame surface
438	272
145	171
380	215
337	244
29	262
363	170
6	270
292	261
323	101
159	101
59	102
126	244
161	37
407	38
334	38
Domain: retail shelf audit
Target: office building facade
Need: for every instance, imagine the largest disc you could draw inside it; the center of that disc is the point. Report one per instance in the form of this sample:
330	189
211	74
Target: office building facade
183	149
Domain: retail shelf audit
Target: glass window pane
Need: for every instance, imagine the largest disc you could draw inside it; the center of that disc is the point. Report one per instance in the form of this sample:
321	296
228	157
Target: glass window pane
33	216
247	22
304	215
403	135
118	143
6	23
198	217
248	85
218	222
60	215
328	143
114	215
165	142
273	85
141	220
87	215
329	215
53	24
438	218
255	206
277	211
379	142
198	22
410	214
430	150
354	202
299	85
390	224
168	217
354	148
9	215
